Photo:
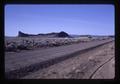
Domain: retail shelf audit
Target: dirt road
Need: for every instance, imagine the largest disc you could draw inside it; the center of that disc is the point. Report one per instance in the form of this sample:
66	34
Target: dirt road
31	59
97	63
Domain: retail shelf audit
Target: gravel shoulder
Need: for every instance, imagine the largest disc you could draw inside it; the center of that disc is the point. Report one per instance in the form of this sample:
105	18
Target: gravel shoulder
89	65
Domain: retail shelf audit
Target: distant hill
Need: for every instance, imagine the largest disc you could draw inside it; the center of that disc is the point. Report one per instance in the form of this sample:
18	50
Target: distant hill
53	34
21	34
62	34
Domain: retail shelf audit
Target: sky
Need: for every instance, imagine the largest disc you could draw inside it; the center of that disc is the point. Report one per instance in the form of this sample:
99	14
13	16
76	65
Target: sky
80	19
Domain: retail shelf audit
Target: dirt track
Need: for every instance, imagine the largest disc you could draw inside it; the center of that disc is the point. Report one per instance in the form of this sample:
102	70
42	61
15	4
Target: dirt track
25	58
94	64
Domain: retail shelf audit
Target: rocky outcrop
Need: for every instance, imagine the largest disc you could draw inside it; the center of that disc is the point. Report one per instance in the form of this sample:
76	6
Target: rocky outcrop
62	34
21	34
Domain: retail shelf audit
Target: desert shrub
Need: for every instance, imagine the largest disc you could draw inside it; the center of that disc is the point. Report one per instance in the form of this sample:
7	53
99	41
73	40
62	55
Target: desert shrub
11	47
43	43
22	47
56	44
31	43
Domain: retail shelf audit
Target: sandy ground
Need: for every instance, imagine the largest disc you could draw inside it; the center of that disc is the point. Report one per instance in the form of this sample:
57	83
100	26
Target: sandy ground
106	71
97	63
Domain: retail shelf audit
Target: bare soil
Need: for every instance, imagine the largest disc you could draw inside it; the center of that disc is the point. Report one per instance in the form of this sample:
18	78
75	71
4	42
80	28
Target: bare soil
97	63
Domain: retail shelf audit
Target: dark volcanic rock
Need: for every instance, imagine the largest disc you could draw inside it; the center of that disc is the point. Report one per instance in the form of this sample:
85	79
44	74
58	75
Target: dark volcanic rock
62	34
21	34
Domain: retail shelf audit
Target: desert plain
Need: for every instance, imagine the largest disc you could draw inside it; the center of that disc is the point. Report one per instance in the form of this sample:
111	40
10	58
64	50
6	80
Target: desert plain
59	58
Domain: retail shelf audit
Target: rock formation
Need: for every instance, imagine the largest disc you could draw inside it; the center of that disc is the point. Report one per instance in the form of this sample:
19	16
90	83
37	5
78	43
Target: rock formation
62	34
21	34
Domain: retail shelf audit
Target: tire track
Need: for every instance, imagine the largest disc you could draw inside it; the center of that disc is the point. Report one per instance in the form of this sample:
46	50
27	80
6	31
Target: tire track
100	67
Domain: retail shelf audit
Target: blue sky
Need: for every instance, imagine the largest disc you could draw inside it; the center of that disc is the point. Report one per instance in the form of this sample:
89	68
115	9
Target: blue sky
78	19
